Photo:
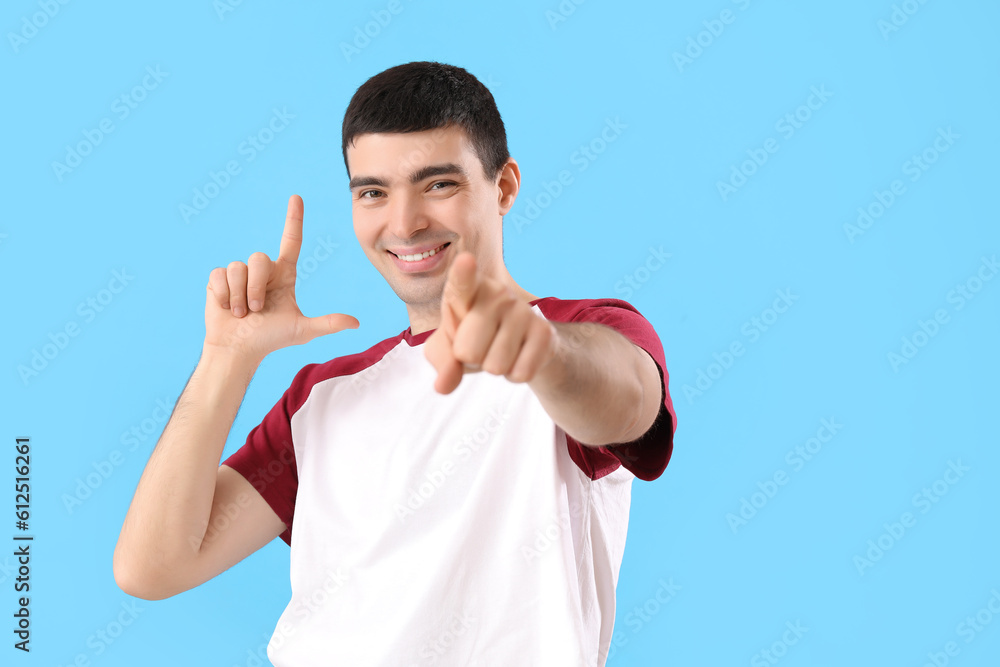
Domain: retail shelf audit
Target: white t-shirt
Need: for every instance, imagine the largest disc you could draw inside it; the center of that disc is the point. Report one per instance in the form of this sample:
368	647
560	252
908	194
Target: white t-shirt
465	529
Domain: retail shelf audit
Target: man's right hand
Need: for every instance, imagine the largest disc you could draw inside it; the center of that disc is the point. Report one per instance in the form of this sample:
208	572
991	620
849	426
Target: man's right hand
250	308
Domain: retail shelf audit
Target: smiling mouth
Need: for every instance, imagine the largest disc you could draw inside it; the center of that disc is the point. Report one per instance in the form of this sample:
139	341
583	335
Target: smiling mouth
423	255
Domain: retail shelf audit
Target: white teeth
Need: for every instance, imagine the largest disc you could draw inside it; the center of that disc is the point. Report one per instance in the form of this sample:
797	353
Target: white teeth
415	258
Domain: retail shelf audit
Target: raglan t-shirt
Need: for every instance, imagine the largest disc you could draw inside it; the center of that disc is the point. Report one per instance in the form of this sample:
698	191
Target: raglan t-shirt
462	529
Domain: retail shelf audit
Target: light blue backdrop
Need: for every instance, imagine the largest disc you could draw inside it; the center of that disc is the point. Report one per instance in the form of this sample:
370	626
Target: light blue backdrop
823	178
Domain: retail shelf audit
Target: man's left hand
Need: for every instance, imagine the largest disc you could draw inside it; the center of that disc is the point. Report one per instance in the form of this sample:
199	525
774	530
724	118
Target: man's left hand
485	326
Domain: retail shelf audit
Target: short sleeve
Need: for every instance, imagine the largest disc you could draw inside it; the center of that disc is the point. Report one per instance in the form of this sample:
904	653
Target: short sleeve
646	457
267	458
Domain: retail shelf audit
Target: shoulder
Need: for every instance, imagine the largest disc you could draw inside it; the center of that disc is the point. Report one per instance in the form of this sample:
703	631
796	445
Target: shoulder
351	364
575	310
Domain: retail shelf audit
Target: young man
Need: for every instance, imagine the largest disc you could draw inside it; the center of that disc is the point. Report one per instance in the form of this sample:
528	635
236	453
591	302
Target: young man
459	492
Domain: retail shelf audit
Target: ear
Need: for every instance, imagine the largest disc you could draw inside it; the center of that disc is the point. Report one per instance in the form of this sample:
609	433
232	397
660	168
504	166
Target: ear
508	184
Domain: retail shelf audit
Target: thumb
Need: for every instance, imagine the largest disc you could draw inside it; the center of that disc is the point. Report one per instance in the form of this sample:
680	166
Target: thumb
311	327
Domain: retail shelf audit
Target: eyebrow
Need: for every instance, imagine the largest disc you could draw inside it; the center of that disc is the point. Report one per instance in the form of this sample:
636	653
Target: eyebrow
415	177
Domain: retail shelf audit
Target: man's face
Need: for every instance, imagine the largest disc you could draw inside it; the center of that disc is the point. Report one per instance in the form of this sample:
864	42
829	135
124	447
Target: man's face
418	193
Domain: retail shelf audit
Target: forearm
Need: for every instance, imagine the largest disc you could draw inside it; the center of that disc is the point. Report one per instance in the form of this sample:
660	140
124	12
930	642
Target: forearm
170	510
598	387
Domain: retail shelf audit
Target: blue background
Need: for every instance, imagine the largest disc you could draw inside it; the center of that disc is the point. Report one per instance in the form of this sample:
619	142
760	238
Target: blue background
684	126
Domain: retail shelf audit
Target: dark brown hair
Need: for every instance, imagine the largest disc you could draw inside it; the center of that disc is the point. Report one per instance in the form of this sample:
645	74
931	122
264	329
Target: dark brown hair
422	96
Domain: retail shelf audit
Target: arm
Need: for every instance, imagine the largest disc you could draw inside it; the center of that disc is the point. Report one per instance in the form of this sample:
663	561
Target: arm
597	385
162	549
191	518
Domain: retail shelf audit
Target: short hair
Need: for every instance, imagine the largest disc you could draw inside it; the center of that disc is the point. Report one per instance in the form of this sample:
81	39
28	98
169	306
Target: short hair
423	95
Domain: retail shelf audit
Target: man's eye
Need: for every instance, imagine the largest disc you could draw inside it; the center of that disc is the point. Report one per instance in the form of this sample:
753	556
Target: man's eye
442	183
366	192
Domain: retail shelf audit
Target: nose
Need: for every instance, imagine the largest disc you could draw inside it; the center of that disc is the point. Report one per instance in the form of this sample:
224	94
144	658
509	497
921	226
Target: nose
406	215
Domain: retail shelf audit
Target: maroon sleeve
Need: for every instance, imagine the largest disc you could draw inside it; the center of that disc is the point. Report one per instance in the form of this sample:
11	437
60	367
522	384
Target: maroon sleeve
647	456
267	459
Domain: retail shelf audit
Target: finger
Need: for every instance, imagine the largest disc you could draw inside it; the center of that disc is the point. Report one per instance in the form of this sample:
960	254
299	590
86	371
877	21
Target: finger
449	376
449	323
460	287
474	335
258	273
507	342
538	348
220	286
291	238
327	324
449	369
236	274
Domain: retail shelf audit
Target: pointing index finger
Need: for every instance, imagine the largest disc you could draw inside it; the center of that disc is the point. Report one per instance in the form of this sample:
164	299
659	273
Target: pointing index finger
291	238
460	288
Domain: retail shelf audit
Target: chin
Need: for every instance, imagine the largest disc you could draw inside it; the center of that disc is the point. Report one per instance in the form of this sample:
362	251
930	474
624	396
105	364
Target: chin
418	290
